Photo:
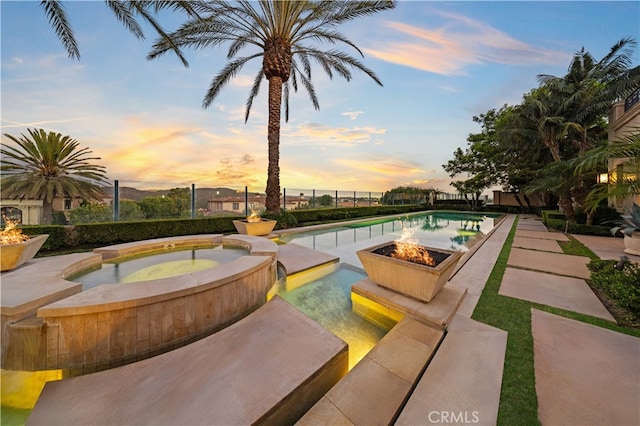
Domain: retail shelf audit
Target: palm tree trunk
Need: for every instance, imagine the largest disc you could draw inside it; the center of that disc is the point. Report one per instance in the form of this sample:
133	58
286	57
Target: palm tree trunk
273	139
47	212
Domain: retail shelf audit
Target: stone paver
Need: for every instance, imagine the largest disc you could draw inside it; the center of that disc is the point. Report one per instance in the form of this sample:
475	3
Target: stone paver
555	263
296	258
572	294
464	377
537	244
541	234
606	247
585	375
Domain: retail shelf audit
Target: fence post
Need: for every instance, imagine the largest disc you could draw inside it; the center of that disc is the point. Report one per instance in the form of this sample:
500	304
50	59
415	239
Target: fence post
246	201
116	200
193	201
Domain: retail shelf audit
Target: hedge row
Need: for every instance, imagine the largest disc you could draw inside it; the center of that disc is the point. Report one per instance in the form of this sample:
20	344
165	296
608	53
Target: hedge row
577	228
89	235
100	234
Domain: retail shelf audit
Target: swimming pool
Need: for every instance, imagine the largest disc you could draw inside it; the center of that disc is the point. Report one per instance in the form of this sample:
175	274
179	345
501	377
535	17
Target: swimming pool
439	229
327	300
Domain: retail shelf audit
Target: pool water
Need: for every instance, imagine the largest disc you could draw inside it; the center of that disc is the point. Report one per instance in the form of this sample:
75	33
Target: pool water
327	300
444	230
158	265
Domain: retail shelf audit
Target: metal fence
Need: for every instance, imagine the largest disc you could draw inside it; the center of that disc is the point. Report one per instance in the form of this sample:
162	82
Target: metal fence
139	201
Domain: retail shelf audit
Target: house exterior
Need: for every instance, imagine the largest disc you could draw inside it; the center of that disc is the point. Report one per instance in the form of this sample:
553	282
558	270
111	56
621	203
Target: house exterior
624	118
254	202
236	204
30	212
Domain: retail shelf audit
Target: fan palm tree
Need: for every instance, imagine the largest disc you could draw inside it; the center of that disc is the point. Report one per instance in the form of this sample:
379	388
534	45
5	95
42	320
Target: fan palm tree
47	165
125	11
283	33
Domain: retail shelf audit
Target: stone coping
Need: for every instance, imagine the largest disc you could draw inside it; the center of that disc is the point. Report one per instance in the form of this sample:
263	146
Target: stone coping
257	246
437	313
108	297
42	281
146	246
240	375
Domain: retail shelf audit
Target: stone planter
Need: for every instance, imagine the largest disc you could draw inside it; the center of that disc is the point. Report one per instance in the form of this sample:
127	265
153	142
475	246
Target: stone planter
632	243
14	255
418	281
264	227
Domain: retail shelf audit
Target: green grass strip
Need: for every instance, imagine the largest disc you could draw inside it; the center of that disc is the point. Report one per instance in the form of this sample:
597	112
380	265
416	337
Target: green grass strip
518	399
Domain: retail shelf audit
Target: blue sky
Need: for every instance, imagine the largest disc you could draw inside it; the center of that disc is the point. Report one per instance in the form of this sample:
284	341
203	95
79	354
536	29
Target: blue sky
441	63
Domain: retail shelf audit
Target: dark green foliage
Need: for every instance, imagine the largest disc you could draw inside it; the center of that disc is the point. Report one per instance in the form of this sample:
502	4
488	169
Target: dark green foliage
88	235
325	200
89	213
57	235
621	282
576	228
285	219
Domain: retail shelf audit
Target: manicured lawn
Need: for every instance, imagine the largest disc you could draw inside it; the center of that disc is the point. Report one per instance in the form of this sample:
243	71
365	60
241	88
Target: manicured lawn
518	400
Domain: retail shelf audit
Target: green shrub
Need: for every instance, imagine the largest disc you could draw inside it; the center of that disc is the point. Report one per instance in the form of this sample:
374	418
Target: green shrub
285	219
576	228
621	282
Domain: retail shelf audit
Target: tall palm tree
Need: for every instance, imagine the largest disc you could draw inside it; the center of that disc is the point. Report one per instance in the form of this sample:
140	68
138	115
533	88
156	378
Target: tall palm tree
539	119
284	33
587	92
47	165
125	11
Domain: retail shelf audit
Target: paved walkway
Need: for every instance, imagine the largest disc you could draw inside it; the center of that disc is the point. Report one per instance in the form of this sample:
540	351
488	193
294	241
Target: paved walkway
576	364
585	374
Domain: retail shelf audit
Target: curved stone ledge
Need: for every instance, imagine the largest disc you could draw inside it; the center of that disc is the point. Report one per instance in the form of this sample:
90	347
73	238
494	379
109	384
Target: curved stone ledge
112	325
147	246
109	297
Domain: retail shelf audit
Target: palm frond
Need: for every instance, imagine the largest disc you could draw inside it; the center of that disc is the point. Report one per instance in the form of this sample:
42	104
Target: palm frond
58	20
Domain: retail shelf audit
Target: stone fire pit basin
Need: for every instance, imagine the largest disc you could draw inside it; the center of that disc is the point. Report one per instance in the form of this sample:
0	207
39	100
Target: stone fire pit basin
14	255
420	282
264	227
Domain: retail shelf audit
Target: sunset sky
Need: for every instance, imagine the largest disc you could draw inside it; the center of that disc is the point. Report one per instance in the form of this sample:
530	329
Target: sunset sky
441	63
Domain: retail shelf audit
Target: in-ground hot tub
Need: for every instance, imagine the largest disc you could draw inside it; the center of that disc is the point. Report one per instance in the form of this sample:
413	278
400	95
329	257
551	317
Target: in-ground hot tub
110	325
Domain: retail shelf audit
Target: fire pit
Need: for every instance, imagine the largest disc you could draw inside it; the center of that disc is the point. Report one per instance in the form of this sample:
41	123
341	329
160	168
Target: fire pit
254	225
408	268
17	248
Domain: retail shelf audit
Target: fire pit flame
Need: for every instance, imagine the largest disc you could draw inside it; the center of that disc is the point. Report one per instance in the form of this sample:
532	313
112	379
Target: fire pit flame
10	234
408	249
254	217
